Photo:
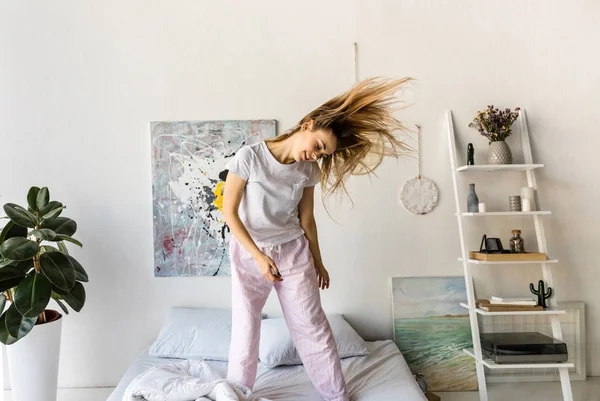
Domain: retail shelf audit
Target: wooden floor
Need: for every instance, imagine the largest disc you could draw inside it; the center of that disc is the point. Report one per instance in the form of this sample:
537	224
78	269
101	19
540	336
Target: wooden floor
76	394
582	391
588	390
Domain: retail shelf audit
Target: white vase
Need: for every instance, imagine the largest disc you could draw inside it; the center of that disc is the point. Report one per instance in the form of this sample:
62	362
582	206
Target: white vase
499	153
33	363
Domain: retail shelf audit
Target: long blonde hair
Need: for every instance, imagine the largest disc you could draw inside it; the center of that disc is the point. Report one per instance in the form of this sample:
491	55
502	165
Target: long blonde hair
362	121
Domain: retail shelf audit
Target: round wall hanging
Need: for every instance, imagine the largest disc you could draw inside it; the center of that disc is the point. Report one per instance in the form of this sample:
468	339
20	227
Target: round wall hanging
419	194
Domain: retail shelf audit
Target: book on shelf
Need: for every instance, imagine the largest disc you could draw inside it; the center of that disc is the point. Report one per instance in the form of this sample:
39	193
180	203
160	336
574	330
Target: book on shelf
495	298
513	301
487	306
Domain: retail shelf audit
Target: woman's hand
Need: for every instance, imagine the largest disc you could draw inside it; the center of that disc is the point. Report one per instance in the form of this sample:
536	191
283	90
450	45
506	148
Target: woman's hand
267	267
323	276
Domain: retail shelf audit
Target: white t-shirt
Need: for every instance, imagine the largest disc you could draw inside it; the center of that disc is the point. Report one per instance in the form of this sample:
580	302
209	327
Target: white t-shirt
269	205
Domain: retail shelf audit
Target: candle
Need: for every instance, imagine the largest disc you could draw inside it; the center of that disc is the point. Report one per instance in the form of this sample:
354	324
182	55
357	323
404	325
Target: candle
526	205
481	207
528	193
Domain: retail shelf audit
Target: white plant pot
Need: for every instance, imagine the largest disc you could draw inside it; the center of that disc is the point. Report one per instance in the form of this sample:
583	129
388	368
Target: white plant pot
33	363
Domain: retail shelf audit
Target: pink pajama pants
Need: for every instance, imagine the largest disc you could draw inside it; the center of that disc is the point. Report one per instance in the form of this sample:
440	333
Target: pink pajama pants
300	301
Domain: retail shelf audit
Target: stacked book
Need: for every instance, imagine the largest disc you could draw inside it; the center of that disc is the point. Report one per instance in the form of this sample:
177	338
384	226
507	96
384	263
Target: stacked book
499	304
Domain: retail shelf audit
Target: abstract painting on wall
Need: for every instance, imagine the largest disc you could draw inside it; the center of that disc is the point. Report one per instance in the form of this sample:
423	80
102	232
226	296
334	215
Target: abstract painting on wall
431	330
191	237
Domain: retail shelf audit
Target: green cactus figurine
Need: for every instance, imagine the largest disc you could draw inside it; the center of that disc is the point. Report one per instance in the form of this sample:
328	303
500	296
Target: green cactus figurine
541	293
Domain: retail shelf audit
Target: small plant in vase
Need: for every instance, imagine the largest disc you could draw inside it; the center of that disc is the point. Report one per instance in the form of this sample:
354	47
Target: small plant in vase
32	272
495	125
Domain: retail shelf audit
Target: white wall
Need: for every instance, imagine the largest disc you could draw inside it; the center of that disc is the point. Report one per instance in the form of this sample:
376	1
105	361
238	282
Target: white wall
81	80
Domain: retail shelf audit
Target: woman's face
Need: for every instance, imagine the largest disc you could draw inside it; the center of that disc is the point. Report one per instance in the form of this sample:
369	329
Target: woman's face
312	145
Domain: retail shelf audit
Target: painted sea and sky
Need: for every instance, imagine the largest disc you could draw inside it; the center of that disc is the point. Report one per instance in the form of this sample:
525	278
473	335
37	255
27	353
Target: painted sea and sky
431	330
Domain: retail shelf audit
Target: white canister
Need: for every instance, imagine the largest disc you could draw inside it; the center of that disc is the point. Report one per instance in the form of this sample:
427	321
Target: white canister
35	359
526	205
528	193
482	207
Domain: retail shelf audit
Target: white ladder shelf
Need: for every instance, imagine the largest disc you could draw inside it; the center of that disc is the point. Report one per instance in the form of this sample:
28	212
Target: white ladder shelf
552	311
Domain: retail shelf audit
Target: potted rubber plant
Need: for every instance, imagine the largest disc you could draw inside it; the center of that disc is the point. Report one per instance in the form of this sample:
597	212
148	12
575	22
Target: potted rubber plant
495	125
35	267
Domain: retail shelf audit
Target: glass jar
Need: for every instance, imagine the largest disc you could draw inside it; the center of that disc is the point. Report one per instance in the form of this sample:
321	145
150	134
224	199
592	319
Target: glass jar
517	245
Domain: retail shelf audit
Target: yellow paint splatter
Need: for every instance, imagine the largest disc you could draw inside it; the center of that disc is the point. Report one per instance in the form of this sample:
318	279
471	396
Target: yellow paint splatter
219	195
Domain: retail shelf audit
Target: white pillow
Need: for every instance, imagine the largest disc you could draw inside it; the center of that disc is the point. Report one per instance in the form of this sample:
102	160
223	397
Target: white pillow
277	348
194	333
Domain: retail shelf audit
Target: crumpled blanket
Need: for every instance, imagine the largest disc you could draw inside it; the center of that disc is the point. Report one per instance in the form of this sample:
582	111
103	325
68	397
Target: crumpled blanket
189	380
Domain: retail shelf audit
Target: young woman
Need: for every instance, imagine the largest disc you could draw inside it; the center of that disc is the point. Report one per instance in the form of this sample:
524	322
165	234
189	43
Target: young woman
268	205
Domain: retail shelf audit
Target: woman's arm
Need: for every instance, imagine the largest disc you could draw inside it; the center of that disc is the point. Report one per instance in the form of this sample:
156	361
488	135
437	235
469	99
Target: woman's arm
232	197
308	224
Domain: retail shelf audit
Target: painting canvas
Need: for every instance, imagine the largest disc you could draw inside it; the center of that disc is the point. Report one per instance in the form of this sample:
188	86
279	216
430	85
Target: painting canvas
431	330
191	237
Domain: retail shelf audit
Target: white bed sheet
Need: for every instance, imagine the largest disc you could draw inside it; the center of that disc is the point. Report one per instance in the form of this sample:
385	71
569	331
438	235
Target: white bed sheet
383	375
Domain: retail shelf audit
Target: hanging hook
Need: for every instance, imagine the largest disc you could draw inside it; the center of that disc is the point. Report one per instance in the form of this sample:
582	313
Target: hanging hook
355	63
418	149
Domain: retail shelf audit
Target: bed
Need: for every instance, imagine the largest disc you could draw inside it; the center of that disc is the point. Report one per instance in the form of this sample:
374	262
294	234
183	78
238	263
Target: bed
382	375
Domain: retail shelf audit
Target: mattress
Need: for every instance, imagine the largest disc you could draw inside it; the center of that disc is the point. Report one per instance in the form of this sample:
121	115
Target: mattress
383	375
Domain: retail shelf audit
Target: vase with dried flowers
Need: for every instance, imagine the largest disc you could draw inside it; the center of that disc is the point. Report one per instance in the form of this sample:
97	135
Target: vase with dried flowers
495	125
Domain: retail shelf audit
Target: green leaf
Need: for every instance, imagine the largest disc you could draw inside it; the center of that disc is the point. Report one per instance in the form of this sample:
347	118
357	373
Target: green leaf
7	284
50	207
12	230
60	225
42	198
24	265
18	326
18	248
11	272
32	198
2	302
63	247
80	273
58	269
44	234
20	216
32	295
7	262
5	336
59	291
62	306
48	248
76	297
52	214
67	238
